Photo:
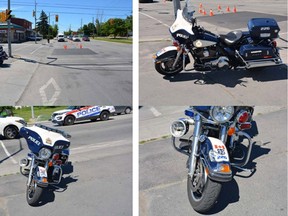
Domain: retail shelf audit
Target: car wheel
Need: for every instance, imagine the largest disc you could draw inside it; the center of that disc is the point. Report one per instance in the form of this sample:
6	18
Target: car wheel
11	132
128	110
69	120
104	116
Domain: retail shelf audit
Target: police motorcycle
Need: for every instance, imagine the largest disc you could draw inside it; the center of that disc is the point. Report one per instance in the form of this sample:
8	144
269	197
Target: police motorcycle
195	48
49	151
217	144
3	55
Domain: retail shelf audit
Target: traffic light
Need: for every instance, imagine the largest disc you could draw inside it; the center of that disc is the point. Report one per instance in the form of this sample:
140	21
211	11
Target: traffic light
33	14
56	18
2	16
111	21
8	14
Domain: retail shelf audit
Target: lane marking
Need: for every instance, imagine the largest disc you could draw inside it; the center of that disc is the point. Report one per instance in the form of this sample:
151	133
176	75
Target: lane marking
20	48
7	153
164	24
155	112
43	95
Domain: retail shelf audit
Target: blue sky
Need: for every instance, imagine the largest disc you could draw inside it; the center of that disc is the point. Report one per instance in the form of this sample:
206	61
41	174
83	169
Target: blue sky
70	12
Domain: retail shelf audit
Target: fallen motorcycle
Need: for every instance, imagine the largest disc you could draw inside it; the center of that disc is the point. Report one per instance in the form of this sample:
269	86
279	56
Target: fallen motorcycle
218	143
49	151
3	55
195	48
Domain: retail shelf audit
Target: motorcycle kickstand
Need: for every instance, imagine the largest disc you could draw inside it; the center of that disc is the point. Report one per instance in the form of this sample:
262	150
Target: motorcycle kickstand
58	189
245	169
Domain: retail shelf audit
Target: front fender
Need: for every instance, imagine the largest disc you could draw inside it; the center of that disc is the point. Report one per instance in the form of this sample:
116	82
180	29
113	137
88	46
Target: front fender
167	52
216	160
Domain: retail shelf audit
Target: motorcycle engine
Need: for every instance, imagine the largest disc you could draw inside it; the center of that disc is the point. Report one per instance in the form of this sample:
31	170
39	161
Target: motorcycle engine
206	54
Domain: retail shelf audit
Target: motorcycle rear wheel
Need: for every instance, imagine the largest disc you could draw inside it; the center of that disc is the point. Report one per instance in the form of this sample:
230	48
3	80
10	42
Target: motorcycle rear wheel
165	67
204	194
33	193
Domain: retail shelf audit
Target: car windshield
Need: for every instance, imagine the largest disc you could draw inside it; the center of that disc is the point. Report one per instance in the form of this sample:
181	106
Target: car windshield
188	10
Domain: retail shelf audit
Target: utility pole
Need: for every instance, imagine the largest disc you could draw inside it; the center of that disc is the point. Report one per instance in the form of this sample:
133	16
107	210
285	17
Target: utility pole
177	6
35	22
93	26
9	33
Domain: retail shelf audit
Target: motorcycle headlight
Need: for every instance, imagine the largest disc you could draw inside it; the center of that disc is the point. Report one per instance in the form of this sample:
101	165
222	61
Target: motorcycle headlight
221	114
179	128
44	153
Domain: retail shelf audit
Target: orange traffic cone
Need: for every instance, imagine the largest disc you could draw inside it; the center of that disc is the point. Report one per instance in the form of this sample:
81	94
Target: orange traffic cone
200	6
219	8
228	9
234	9
80	46
65	47
200	10
204	12
211	12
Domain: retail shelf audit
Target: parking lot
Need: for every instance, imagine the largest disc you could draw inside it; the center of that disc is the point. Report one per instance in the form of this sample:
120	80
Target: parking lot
99	176
225	87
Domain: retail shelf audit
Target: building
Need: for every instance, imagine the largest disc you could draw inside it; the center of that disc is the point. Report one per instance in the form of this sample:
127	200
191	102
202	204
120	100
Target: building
20	30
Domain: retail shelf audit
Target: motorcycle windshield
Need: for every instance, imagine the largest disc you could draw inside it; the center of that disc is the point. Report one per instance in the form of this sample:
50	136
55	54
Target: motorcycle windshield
188	11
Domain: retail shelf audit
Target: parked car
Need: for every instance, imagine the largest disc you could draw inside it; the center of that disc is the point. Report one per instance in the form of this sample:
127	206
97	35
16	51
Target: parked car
123	109
85	38
10	126
32	38
76	38
80	113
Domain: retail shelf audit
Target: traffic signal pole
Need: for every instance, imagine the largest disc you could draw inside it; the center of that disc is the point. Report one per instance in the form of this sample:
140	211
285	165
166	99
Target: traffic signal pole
9	33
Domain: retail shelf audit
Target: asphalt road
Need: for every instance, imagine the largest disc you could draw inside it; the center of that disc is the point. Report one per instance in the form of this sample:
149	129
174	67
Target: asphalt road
162	176
67	73
99	181
219	87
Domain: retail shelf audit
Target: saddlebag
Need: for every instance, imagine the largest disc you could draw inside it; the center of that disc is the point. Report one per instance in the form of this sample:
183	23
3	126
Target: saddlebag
263	28
255	52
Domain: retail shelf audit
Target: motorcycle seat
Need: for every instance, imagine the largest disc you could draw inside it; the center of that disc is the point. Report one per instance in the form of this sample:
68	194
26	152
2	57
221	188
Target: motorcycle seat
232	37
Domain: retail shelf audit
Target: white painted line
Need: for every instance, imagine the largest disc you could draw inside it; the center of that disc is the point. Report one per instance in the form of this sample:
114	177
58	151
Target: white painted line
96	66
155	112
164	24
43	95
8	154
36	49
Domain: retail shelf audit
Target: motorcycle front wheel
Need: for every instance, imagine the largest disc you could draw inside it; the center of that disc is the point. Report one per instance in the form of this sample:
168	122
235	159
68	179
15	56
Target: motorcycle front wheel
165	67
33	193
202	193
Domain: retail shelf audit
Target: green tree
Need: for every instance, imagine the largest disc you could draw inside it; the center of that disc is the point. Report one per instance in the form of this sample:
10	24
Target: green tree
129	24
42	26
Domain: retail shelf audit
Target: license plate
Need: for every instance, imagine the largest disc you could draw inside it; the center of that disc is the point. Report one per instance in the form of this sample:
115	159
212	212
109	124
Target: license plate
265	35
42	172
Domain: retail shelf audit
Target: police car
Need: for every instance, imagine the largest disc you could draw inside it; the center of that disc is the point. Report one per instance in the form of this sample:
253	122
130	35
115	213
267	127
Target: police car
10	126
80	113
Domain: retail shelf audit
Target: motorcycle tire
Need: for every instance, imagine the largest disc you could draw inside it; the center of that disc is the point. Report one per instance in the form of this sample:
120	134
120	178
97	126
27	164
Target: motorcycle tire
164	67
203	201
33	193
